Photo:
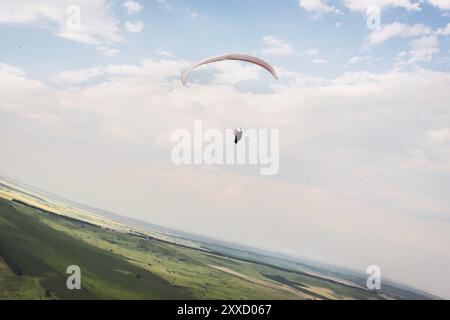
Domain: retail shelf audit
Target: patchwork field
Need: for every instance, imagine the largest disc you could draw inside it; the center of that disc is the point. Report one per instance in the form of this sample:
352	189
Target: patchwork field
40	238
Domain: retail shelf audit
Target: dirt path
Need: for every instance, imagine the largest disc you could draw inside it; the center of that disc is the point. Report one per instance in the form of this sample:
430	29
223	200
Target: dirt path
261	282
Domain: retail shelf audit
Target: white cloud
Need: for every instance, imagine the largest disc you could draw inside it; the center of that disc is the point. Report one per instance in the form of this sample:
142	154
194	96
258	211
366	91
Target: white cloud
277	46
133	7
311	52
97	23
134	26
443	31
357	59
397	29
317	7
123	70
107	51
441	4
165	5
165	53
7	69
194	15
71	77
439	135
14	81
320	61
422	50
362	5
46	119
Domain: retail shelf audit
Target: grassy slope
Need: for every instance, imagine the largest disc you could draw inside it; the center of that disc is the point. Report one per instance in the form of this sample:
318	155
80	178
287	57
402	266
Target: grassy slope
41	246
36	250
14	287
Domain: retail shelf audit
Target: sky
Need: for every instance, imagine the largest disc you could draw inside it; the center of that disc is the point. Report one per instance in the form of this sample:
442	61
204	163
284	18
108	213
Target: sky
90	95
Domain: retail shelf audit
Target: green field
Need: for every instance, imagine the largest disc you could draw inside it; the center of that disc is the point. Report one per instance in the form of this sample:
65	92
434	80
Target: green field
32	248
36	247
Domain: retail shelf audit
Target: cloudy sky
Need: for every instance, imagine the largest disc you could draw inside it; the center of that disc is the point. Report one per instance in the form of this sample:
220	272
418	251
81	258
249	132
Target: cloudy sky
87	111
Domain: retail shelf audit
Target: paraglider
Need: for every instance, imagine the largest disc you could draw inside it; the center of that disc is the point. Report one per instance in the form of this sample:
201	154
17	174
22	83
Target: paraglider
232	56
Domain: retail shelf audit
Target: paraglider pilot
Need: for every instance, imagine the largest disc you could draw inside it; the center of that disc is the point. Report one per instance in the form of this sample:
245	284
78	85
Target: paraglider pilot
237	135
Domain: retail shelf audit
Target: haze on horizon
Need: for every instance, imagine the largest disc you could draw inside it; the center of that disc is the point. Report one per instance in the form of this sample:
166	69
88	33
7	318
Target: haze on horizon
88	113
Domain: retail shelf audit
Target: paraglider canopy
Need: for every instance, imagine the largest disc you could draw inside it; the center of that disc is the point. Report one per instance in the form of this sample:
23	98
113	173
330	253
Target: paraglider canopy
232	56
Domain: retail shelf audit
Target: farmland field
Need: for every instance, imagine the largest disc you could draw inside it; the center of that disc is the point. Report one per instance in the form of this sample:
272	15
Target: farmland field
40	238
